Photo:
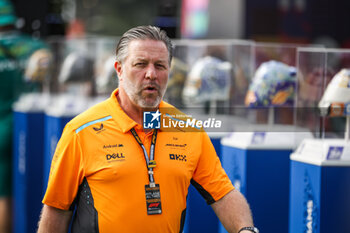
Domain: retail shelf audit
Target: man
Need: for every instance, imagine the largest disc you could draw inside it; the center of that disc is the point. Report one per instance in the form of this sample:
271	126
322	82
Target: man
15	50
122	177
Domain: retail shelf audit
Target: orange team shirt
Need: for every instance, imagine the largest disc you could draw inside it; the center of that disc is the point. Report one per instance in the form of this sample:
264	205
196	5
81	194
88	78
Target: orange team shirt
99	166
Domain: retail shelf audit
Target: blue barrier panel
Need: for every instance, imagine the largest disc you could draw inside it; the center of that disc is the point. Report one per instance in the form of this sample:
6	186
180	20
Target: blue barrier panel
27	172
54	126
319	187
262	175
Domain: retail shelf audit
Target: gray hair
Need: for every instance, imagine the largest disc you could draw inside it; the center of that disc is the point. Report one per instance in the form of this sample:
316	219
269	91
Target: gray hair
142	33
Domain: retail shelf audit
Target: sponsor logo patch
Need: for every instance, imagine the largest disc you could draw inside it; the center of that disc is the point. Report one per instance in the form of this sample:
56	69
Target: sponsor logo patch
115	157
112	146
176	145
99	129
178	157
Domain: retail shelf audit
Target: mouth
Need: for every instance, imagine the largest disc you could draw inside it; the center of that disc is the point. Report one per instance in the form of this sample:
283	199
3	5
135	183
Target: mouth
151	88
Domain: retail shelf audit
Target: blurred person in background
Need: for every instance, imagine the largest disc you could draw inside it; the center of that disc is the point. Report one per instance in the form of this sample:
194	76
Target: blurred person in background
121	177
15	50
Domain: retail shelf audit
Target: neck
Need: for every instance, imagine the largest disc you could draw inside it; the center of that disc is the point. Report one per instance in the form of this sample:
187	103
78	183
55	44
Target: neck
135	112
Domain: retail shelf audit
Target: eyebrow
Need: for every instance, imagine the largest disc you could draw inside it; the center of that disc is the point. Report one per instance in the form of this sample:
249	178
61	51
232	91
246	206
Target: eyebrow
146	60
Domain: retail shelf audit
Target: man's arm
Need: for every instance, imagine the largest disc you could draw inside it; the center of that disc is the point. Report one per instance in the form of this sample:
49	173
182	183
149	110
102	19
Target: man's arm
233	212
54	220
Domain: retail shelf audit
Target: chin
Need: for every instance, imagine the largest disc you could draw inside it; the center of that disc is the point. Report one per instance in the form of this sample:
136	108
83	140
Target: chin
150	103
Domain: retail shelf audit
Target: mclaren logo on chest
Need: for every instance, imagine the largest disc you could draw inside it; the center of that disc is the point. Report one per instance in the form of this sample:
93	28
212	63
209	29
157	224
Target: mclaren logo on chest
178	157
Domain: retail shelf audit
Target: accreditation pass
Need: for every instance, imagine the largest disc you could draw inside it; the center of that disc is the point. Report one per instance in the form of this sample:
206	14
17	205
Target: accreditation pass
153	203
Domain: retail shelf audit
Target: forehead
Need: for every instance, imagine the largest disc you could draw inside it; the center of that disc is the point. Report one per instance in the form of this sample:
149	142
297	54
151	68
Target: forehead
144	49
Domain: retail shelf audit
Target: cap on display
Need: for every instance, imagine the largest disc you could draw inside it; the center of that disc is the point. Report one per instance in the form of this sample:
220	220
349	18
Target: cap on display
7	14
209	79
336	98
272	85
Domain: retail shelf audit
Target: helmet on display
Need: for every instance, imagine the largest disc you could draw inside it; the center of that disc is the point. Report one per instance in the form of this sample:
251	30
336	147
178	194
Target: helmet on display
177	77
273	85
107	78
39	65
336	99
209	79
7	14
310	85
77	67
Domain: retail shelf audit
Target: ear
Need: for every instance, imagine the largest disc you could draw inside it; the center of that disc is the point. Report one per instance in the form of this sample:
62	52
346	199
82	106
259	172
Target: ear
118	69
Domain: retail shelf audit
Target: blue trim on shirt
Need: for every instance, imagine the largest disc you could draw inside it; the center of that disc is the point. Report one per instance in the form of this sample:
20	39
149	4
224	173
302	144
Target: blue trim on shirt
91	123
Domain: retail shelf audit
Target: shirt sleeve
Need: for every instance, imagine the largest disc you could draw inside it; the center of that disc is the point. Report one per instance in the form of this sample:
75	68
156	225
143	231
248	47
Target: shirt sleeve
66	173
209	178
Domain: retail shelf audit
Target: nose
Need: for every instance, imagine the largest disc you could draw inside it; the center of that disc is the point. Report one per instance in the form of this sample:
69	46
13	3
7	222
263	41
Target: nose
151	72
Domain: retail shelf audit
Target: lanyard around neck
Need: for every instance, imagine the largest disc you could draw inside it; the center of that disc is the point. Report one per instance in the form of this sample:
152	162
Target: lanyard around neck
149	161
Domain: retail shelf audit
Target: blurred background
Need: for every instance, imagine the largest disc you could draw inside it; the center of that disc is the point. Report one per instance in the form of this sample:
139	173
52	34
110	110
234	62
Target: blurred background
262	68
297	21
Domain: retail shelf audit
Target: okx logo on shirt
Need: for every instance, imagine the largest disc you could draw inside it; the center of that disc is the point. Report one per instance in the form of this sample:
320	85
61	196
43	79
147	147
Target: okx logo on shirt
151	120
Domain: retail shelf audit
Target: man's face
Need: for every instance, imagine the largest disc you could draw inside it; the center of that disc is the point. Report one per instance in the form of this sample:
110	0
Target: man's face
143	75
